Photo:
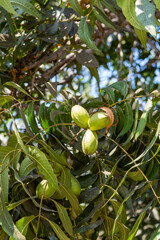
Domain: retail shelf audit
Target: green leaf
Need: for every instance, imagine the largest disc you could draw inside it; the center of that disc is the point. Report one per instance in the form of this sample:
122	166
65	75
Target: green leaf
121	117
87	59
120	86
136	176
63	214
16	204
23	224
7	223
136	226
15	85
7	6
145	12
156	233
72	199
58	231
135	123
77	8
26	167
111	95
94	72
157	2
27	7
122	216
85	36
44	166
44	117
4	99
31	118
142	35
4	180
127	121
52	88
101	16
25	122
143	119
128	9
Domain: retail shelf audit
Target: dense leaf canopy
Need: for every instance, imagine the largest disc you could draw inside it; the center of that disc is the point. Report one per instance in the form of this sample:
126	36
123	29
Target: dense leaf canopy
104	56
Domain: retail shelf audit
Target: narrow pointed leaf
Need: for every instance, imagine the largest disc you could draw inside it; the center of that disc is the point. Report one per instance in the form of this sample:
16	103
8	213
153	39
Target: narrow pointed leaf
7	223
101	16
43	164
6	4
120	86
63	214
77	8
128	120
15	85
23	224
135	124
145	12
58	231
136	226
157	2
26	167
128	9
32	119
85	36
142	35
52	87
27	7
143	119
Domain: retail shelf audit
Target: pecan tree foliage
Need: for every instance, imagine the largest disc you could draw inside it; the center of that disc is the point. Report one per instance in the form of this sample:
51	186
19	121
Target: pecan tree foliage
56	38
120	185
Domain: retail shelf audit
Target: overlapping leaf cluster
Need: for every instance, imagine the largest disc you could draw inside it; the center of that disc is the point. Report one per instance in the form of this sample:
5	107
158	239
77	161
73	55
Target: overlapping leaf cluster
114	181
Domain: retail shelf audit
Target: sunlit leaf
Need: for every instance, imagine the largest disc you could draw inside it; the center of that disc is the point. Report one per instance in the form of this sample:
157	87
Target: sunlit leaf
145	12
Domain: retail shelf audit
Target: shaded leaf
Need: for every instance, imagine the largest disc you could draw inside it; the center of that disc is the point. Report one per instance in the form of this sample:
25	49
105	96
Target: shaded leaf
110	94
4	99
89	226
142	35
58	231
7	222
135	123
31	118
120	86
143	119
63	214
85	36
52	87
27	7
72	199
87	59
145	12
15	85
102	17
136	176
75	5
127	121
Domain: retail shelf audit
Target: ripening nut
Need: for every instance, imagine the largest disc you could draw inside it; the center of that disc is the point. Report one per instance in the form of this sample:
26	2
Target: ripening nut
89	142
80	116
98	120
45	188
75	186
